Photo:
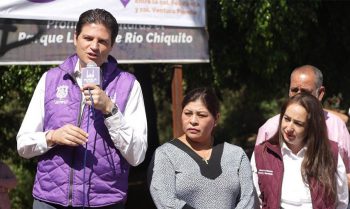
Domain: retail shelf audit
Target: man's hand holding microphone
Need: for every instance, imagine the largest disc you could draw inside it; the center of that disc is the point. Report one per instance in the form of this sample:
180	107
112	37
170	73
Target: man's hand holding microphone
95	97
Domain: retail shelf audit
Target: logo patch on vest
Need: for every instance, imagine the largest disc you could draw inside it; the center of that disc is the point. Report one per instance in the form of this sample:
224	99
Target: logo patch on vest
265	172
61	94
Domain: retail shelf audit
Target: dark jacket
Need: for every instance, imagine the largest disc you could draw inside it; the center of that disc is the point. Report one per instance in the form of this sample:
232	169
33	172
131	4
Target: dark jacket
269	164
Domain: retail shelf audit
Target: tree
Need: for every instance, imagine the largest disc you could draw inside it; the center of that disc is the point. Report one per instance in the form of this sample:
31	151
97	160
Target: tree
18	83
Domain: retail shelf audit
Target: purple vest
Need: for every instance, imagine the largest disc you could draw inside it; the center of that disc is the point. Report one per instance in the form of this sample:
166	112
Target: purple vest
60	171
268	157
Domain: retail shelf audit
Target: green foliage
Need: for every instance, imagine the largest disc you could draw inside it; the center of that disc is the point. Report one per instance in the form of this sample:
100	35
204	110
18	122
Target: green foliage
18	83
17	87
21	196
258	37
270	108
254	45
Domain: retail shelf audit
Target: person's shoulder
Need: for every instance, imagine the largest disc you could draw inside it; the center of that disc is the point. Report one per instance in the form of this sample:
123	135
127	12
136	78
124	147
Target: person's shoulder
54	68
170	150
268	129
332	119
333	144
169	145
271	121
129	78
262	144
232	148
127	74
340	115
68	64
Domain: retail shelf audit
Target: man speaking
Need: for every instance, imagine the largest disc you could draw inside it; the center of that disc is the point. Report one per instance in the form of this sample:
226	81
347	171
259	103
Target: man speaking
86	135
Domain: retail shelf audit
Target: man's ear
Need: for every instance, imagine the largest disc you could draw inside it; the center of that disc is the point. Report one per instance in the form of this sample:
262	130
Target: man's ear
321	92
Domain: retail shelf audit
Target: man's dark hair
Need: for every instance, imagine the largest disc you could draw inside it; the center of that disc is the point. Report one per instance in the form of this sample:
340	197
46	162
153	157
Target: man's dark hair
98	16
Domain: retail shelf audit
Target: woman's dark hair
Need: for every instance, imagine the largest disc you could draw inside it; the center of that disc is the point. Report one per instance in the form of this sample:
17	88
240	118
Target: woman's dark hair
206	95
318	163
99	16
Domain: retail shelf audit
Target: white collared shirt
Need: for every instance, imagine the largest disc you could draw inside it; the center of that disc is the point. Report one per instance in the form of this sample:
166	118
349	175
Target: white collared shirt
295	193
128	131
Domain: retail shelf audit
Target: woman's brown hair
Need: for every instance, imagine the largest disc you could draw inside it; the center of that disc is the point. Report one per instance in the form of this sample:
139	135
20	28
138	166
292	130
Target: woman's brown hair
318	162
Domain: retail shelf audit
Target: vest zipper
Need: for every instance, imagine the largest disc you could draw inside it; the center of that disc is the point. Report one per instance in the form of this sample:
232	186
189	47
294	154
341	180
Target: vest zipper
80	115
70	186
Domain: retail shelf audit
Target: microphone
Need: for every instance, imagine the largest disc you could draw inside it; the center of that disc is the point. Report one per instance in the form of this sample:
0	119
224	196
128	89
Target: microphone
91	74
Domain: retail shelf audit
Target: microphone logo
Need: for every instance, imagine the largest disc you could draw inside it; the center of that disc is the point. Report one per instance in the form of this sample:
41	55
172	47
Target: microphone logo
91	74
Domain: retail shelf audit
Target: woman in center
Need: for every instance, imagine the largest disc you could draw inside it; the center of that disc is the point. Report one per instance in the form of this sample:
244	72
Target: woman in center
193	170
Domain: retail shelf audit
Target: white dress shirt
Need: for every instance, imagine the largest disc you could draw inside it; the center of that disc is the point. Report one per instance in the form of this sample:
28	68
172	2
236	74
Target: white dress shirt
295	193
128	131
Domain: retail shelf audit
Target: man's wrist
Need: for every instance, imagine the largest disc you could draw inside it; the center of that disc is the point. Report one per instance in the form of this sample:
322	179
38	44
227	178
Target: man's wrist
49	139
111	110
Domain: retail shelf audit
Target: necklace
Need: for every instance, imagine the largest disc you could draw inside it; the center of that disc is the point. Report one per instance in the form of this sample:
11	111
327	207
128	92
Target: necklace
206	157
202	153
205	160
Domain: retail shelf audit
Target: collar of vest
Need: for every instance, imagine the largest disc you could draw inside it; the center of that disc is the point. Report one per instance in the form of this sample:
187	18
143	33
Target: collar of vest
273	147
109	68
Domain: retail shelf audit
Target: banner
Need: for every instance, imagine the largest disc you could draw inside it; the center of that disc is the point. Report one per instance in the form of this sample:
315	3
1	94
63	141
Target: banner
181	13
51	41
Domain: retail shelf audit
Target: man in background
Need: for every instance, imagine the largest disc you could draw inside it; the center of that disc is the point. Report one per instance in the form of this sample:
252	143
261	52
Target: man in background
309	79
